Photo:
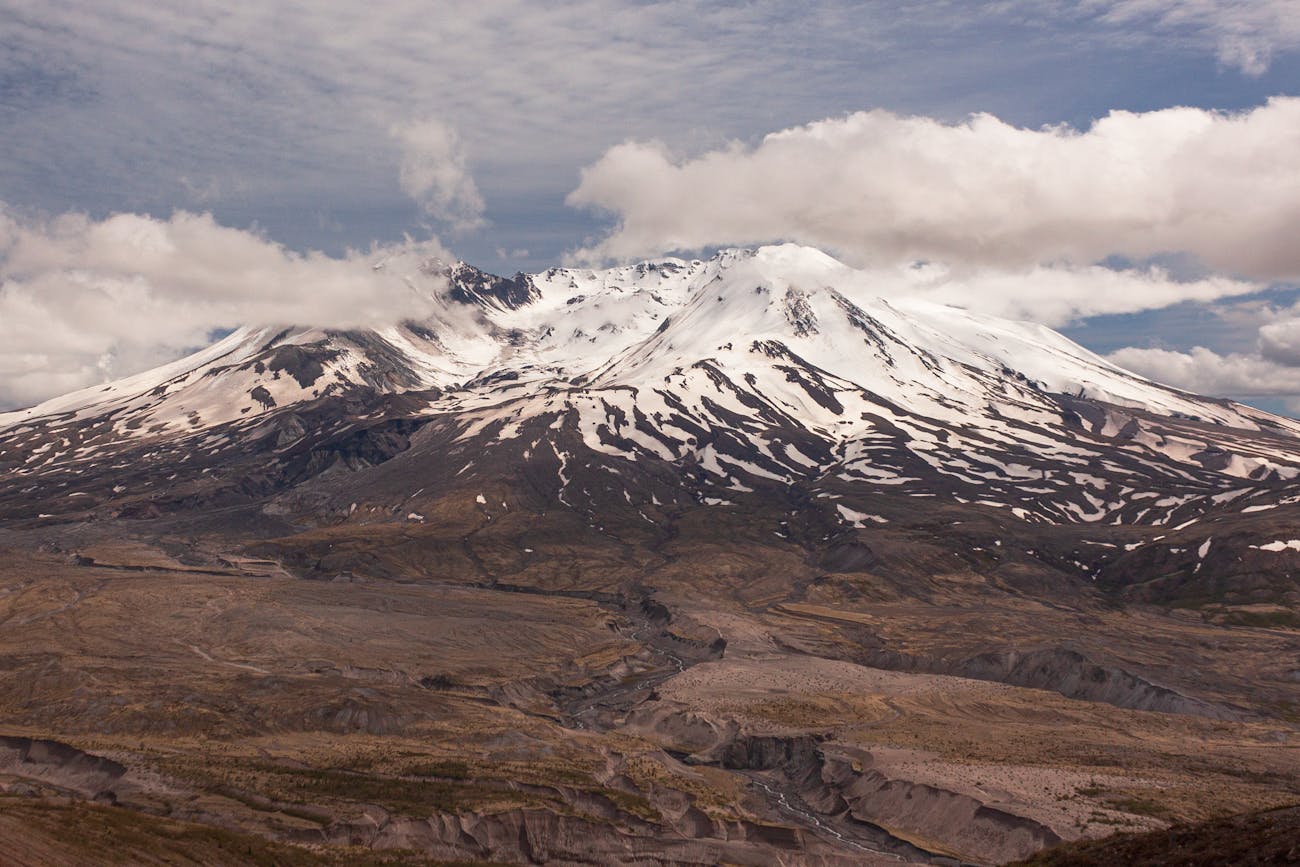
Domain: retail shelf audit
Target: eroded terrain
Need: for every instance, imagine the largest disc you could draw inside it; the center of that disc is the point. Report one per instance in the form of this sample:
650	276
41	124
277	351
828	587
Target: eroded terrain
437	692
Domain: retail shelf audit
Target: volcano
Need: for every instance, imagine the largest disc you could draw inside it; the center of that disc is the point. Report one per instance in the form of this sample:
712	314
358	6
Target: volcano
748	559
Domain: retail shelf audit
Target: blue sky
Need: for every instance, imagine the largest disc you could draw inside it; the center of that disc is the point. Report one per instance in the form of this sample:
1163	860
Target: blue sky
330	126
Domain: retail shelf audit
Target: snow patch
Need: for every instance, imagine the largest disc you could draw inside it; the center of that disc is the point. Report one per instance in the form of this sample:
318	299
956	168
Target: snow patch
1276	547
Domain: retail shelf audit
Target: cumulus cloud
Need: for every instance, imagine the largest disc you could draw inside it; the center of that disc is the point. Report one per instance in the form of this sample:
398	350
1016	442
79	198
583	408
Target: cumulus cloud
1246	33
1271	370
1280	341
84	301
435	173
1204	371
878	187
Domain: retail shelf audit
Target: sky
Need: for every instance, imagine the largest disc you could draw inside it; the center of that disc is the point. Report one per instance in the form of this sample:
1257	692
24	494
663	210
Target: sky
1127	171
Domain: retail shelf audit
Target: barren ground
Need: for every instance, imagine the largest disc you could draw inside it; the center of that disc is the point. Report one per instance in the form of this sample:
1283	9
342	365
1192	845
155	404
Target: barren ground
425	719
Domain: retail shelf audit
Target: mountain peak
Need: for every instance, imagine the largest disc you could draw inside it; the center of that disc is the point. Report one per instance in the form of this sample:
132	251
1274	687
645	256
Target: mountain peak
723	364
797	259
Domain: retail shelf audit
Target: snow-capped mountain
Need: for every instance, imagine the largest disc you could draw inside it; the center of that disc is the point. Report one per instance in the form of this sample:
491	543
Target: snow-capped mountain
779	366
776	391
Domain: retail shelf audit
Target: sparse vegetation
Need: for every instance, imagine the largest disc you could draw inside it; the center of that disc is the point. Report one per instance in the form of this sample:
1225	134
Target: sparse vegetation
1269	837
282	703
86	835
450	770
1138	806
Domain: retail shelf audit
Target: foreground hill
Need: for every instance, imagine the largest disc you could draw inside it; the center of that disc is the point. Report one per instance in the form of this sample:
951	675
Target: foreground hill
685	562
1271	837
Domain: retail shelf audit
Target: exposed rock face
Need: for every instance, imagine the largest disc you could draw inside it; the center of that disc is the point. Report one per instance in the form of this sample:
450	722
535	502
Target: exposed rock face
925	816
469	285
537	837
766	752
964	824
1061	670
61	765
905	820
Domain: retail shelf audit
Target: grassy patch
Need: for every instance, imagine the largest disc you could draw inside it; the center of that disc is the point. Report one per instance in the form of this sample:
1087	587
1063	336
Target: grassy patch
1138	807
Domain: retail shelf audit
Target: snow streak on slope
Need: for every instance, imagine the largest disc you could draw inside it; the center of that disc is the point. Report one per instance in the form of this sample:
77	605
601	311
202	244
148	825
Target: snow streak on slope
776	366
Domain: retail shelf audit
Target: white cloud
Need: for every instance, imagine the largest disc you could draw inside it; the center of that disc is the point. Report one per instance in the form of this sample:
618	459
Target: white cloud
85	301
1280	341
434	172
1054	296
1001	219
876	187
1204	371
1272	370
1245	33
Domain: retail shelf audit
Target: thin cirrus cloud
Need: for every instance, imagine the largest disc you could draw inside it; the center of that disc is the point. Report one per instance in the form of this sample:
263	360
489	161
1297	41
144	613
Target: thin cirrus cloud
84	301
1245	33
202	104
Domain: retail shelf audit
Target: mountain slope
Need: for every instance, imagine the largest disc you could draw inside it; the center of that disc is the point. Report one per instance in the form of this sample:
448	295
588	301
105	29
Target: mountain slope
776	375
